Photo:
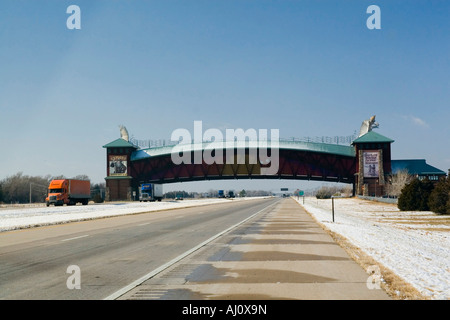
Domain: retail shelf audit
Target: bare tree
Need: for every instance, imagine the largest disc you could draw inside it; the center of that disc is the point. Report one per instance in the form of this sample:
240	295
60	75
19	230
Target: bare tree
81	177
20	188
396	183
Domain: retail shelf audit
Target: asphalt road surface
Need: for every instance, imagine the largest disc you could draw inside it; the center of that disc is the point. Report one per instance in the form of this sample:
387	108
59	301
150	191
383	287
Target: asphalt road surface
96	259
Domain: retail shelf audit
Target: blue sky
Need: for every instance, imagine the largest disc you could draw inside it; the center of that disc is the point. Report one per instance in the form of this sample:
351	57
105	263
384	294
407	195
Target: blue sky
307	68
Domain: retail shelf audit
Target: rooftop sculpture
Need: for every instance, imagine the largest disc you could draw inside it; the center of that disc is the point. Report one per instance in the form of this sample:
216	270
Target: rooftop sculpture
367	126
124	133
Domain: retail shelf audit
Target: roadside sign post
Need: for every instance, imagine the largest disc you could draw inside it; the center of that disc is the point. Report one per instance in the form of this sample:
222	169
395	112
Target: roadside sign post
332	205
302	193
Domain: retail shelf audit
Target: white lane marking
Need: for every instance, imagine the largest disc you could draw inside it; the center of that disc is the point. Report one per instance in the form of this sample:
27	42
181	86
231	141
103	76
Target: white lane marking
69	239
144	224
151	274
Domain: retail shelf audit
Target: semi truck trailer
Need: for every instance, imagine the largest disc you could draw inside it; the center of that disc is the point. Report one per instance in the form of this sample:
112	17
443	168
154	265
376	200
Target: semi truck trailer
69	192
150	192
230	194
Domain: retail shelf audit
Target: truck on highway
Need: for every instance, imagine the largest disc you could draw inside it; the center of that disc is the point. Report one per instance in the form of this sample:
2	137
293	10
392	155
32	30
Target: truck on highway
179	196
150	192
69	192
221	194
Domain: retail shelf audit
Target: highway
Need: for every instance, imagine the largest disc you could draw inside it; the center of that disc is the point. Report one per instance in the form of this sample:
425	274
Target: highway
281	253
110	253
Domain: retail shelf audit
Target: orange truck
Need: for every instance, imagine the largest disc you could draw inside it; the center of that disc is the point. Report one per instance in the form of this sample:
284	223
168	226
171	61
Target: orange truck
68	191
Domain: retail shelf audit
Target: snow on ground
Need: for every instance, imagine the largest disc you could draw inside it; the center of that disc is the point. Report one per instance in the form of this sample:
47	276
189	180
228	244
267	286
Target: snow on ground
414	245
12	218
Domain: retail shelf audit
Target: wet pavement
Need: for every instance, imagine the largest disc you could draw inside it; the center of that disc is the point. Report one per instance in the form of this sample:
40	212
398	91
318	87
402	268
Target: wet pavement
281	254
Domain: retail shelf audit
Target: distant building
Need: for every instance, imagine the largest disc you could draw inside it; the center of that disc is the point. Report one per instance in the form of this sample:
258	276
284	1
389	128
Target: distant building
417	168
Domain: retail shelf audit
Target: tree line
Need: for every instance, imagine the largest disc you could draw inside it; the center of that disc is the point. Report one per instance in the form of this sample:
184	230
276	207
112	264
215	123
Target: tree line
326	192
20	188
416	194
425	195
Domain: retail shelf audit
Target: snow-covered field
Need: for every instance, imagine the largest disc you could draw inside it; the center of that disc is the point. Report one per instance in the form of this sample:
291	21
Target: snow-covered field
414	245
12	218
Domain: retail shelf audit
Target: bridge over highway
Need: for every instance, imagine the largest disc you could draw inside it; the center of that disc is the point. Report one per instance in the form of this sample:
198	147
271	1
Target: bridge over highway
295	160
366	162
224	160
